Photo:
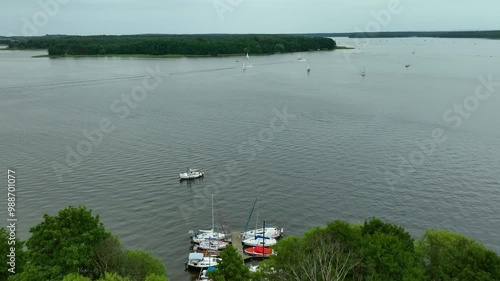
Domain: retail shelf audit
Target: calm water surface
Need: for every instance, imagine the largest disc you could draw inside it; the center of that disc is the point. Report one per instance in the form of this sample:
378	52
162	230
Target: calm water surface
349	149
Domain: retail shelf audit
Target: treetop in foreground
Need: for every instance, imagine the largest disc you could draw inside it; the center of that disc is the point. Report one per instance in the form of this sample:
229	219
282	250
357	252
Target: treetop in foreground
74	246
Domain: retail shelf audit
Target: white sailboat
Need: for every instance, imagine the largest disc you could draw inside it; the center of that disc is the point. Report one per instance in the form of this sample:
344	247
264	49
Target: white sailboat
272	232
212	245
206	235
260	240
248	57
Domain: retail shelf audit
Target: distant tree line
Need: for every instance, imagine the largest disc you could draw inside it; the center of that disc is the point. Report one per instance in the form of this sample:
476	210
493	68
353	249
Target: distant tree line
211	45
489	34
494	34
5	41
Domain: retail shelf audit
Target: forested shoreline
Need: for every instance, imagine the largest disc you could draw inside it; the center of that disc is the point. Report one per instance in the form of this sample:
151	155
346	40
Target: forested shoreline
492	34
195	45
75	246
209	44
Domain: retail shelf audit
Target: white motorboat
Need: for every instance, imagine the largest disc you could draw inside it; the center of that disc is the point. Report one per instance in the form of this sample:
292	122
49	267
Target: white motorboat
198	261
191	174
272	232
260	240
212	244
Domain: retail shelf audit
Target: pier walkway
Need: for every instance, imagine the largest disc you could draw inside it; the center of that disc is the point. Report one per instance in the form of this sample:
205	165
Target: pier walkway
236	242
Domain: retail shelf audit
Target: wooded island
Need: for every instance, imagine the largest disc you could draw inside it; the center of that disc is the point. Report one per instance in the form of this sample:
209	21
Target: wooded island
184	45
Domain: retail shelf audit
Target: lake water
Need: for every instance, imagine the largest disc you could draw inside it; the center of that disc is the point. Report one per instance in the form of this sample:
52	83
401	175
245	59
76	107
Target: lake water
349	147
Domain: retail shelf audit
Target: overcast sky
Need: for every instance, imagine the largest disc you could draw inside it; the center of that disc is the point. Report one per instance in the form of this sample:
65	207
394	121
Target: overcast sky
85	17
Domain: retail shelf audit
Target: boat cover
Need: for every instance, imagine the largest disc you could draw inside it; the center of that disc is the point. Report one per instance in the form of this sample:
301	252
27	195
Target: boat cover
195	256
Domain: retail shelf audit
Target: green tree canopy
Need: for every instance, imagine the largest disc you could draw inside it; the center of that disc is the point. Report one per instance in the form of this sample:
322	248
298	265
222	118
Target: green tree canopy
75	277
451	256
140	264
6	243
110	256
331	253
64	244
231	267
389	252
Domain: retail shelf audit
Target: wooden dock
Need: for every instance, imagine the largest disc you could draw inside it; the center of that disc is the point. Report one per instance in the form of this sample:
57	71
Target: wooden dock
236	242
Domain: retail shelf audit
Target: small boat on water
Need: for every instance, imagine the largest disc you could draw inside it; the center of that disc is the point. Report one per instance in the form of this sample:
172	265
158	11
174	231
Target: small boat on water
259	251
191	174
206	235
198	261
272	232
259	240
212	244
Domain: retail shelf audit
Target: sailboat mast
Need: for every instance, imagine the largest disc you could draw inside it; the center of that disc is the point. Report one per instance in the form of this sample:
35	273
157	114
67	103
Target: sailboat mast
263	236
256	219
213	221
251	212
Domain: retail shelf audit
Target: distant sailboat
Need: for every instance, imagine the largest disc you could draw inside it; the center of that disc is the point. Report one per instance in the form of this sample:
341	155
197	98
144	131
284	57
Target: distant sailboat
300	57
308	67
244	67
248	57
363	73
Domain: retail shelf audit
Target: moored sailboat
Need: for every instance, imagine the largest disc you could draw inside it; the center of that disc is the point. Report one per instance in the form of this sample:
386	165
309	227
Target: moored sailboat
207	235
259	251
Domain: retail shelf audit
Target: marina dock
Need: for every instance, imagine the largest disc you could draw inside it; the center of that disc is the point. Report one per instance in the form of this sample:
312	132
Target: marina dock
236	242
